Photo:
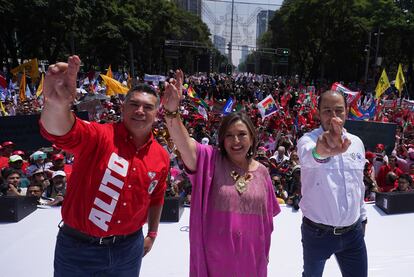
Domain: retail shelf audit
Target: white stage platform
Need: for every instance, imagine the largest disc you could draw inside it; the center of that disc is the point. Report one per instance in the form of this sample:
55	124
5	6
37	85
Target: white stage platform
27	247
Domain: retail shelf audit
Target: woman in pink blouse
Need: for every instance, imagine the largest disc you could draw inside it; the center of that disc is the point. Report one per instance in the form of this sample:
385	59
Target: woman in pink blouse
233	201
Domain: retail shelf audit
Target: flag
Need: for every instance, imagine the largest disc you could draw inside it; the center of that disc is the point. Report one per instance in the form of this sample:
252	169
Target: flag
267	107
40	87
109	72
129	81
3	82
191	92
109	90
203	112
113	85
22	88
349	94
362	111
193	96
31	67
228	107
3	109
383	84
399	79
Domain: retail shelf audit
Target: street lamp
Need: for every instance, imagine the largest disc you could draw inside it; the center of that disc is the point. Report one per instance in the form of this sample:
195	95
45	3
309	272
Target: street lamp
368	51
378	35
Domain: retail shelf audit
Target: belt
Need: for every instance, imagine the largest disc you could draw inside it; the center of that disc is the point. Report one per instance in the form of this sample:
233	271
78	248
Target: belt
111	240
335	230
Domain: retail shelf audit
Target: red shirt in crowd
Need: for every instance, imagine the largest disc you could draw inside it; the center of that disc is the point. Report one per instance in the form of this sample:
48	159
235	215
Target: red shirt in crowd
113	183
4	162
381	178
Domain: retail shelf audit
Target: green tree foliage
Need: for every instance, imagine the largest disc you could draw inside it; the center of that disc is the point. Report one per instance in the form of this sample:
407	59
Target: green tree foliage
327	38
102	32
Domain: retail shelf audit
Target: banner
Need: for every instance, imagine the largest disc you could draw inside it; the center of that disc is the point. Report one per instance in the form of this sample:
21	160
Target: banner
371	133
155	79
24	131
408	104
389	103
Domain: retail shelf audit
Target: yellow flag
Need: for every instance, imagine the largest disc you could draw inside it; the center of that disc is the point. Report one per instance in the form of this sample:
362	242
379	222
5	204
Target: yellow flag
113	85
109	72
22	88
3	109
31	67
40	87
383	84
399	79
109	90
129	81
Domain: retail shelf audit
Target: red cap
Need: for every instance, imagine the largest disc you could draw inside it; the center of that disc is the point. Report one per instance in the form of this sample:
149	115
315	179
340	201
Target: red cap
380	146
18	152
58	157
7	143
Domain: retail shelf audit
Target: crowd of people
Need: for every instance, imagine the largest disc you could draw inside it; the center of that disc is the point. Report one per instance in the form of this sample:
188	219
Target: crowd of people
278	134
205	139
42	174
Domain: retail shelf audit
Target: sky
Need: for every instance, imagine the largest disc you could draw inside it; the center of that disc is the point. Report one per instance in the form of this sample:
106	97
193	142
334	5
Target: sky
217	15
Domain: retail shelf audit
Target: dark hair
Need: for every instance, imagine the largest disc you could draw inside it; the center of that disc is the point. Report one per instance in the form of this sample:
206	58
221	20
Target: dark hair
34	184
7	171
407	178
142	88
227	122
331	92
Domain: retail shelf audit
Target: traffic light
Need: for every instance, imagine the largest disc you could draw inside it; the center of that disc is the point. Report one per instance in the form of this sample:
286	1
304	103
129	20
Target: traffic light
229	46
282	51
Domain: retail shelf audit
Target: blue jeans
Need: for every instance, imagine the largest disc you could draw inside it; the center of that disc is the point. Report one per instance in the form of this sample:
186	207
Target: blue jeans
348	248
74	258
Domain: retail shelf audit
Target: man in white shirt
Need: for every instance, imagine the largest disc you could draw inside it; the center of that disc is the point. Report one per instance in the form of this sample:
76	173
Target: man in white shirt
332	163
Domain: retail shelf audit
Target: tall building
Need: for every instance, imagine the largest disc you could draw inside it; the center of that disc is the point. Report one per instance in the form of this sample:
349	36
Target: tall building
220	44
193	6
244	53
263	19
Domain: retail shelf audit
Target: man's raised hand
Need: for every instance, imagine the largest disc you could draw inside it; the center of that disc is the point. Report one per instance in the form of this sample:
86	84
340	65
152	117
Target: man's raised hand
331	142
60	82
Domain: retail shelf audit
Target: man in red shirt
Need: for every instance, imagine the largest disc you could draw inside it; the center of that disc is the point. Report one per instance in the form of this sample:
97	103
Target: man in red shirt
117	184
6	148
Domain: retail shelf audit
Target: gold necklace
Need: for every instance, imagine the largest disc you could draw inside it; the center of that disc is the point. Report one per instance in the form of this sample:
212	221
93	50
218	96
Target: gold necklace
241	181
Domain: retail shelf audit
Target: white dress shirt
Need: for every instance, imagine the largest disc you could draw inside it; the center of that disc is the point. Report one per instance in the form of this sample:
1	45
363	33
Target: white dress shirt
332	192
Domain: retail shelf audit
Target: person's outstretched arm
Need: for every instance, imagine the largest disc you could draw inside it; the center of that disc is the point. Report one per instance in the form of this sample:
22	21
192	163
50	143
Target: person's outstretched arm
59	92
185	144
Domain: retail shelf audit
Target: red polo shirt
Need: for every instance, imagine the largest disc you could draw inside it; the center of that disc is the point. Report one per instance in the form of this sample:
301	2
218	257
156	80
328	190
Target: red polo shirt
113	183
